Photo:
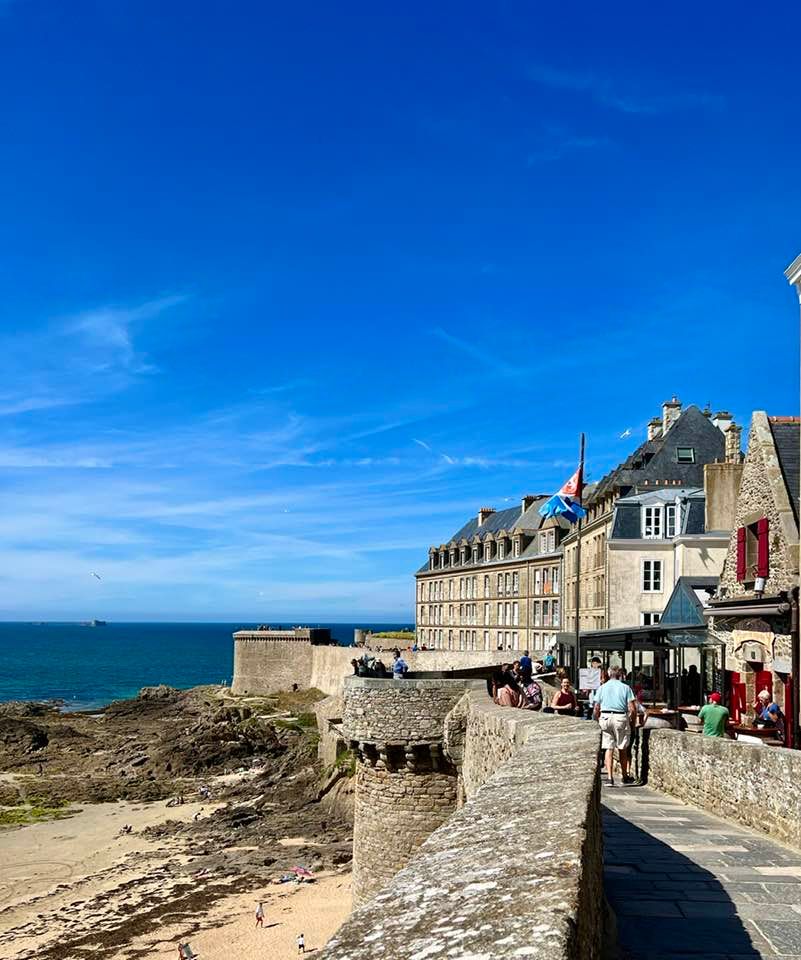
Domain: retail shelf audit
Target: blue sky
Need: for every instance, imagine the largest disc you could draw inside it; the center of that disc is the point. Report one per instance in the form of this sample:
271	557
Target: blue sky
288	291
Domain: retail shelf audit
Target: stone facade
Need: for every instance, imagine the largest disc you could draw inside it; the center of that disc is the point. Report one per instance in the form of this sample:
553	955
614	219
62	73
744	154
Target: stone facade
495	584
655	465
753	785
457	896
755	625
405	784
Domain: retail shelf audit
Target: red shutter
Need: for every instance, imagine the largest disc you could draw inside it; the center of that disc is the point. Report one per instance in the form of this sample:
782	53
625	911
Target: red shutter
740	554
763	548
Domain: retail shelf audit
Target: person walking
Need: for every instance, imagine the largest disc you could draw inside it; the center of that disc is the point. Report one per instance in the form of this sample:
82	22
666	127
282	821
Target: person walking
526	667
260	914
301	943
615	712
714	717
399	667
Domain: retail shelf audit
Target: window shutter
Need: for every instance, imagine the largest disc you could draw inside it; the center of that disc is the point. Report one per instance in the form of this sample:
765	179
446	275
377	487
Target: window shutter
740	554
763	551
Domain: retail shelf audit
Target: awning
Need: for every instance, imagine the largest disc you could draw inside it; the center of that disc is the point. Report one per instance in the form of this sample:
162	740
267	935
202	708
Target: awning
748	608
657	636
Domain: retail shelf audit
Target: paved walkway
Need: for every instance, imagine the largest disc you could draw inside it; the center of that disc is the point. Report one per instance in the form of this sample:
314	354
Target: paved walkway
685	884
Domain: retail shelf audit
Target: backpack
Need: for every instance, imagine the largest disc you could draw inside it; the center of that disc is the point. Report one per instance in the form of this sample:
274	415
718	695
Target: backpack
533	692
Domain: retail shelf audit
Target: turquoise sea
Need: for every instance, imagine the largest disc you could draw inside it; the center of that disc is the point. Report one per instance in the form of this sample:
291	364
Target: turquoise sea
91	666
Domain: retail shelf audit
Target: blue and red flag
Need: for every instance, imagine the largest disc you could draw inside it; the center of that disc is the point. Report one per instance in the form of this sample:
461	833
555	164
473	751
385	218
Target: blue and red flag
567	502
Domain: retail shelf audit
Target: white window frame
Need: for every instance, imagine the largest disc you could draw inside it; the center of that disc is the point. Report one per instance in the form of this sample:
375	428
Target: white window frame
515	613
516	547
538	581
685	460
649	618
501	550
515	583
649	575
652	522
671	516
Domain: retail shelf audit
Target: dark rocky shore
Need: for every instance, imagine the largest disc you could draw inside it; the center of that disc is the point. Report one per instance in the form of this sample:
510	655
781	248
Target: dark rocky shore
251	761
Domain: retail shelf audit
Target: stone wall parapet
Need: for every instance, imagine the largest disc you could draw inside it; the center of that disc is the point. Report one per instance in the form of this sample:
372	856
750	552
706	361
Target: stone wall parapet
757	786
532	775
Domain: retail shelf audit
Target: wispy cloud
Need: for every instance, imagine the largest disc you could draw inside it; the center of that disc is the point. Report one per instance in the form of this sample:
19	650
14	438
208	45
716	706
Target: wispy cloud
78	357
422	443
605	92
477	352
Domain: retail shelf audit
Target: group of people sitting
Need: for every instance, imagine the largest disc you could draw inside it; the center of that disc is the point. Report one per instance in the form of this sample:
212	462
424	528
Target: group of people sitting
516	684
369	666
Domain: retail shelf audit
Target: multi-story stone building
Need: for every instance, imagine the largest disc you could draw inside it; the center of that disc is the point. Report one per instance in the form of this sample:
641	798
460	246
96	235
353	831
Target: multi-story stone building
495	584
755	611
656	538
679	444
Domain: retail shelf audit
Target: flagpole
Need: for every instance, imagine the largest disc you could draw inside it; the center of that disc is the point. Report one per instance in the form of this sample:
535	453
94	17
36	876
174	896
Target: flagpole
578	567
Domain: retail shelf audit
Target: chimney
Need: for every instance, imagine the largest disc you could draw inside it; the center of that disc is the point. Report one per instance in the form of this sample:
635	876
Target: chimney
721	490
526	502
483	513
654	428
671	411
733	437
722	420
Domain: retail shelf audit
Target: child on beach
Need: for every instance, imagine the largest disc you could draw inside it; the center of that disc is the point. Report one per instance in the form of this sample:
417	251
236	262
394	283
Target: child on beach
260	914
301	944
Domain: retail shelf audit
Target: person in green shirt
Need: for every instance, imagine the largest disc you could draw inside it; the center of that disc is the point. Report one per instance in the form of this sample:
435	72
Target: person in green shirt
714	717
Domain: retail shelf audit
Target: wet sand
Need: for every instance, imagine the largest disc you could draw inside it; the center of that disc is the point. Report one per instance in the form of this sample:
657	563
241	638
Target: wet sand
77	879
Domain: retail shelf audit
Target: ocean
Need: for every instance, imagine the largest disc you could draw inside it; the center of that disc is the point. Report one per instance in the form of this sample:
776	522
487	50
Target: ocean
88	667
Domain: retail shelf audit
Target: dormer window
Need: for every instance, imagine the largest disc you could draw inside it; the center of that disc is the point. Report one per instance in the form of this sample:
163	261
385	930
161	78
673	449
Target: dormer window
516	546
453	557
685	454
462	554
488	551
652	523
501	549
475	554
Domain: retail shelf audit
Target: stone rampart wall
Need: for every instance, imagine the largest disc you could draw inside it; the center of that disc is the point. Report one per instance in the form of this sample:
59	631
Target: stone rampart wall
755	786
395	711
267	666
469	891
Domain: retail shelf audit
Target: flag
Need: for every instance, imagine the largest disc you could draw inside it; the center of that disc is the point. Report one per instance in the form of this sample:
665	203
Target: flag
567	502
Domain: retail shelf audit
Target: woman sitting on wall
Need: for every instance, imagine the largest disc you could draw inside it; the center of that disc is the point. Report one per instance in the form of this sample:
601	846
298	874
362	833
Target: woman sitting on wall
564	700
505	691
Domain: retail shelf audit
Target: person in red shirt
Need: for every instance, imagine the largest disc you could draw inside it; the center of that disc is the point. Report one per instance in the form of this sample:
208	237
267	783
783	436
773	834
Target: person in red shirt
564	700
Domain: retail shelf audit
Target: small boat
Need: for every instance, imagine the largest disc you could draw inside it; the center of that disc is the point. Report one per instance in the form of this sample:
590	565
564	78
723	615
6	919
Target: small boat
93	623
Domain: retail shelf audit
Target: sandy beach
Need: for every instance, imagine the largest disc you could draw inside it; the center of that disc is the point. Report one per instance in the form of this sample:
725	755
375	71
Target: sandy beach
78	881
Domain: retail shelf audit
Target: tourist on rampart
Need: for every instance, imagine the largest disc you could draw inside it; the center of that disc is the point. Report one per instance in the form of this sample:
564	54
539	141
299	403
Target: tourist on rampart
399	667
380	669
714	717
549	661
355	665
532	695
526	667
616	714
564	700
505	690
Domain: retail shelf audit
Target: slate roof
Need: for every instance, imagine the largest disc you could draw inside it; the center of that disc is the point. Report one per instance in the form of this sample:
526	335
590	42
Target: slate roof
510	519
656	459
627	523
786	436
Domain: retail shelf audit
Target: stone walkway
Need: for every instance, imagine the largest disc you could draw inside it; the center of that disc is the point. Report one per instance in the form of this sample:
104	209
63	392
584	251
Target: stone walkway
685	884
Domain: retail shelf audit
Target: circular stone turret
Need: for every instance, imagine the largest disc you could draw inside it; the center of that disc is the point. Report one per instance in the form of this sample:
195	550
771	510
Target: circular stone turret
405	784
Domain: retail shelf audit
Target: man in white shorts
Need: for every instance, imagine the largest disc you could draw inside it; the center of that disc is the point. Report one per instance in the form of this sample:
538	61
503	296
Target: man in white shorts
615	710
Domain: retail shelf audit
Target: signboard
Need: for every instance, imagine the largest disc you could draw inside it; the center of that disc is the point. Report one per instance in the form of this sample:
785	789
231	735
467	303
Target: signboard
589	678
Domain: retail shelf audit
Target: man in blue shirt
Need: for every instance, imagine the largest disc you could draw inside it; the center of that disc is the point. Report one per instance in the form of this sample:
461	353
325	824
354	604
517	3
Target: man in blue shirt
526	666
399	667
616	713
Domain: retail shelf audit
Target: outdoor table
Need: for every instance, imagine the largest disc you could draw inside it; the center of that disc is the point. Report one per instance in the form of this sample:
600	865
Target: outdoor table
762	733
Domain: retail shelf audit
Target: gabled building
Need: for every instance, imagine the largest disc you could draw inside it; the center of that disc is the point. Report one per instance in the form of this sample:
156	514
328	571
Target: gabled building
680	443
495	584
656	539
754	613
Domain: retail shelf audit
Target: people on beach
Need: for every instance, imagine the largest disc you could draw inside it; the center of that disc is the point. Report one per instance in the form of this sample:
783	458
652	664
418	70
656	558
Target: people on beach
260	914
615	712
301	943
714	717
